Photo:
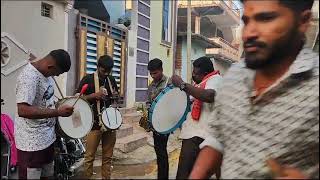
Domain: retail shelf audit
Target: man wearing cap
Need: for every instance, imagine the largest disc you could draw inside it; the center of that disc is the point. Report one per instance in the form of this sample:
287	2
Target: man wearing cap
36	112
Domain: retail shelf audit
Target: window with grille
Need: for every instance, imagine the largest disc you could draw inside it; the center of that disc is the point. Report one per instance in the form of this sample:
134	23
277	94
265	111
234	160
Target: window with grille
46	10
166	21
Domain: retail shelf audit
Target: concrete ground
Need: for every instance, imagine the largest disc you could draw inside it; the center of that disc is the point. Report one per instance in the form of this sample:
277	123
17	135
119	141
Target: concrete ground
139	164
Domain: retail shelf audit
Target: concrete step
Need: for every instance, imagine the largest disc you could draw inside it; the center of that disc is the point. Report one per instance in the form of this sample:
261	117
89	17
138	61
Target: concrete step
132	142
124	130
127	110
131	117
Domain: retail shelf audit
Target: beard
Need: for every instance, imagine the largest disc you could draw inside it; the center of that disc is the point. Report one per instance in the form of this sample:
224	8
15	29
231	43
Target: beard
196	80
273	53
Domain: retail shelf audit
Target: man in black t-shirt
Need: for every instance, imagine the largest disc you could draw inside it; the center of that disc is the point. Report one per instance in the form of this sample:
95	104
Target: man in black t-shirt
102	96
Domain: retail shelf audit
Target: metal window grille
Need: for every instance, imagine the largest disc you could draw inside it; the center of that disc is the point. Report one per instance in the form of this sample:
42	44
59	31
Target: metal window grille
46	10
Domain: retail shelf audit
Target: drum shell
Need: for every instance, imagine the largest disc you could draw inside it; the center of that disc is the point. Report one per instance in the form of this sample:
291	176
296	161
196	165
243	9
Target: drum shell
158	99
103	122
59	130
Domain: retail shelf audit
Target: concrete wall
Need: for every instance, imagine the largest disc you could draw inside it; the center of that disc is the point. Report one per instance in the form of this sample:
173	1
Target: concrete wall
157	48
72	79
40	35
132	57
197	51
115	8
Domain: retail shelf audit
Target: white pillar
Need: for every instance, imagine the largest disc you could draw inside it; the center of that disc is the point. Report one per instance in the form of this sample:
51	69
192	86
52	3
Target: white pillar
189	43
197	25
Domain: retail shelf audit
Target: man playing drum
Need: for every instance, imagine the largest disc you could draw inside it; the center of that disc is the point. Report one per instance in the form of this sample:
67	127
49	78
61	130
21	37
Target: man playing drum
35	122
98	132
195	128
266	117
160	81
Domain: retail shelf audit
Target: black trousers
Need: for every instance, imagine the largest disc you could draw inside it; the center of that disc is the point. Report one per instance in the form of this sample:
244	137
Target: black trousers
160	146
188	155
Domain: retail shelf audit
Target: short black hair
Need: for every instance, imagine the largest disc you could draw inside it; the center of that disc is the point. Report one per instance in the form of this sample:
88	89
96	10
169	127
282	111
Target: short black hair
105	62
155	64
296	5
62	59
204	64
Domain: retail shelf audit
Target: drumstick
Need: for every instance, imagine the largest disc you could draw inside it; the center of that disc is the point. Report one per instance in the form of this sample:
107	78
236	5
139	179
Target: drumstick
83	89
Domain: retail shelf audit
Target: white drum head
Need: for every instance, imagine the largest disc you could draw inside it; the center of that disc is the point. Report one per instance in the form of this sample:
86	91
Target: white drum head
79	124
111	118
169	110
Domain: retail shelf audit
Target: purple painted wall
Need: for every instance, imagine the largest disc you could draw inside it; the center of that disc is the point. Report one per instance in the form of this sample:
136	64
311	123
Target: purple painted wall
142	50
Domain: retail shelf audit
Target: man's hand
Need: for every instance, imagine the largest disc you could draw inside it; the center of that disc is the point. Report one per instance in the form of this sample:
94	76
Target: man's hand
101	94
65	110
176	80
284	172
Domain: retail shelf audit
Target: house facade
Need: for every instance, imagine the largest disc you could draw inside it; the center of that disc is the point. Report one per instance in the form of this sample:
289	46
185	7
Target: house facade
219	22
30	27
151	34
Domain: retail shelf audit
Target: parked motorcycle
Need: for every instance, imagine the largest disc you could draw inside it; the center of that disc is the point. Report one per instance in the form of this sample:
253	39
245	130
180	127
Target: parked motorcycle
69	154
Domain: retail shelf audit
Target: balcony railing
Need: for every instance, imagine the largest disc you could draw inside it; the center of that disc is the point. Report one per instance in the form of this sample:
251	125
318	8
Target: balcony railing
197	3
230	6
227	50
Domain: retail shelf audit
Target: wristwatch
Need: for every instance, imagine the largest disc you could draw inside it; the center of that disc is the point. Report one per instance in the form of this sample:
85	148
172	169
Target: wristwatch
183	86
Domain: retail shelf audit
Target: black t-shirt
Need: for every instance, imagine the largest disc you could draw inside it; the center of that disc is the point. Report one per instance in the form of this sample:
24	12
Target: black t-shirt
89	79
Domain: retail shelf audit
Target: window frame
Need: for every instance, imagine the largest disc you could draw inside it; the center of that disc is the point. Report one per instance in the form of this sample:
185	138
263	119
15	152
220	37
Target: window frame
166	38
45	5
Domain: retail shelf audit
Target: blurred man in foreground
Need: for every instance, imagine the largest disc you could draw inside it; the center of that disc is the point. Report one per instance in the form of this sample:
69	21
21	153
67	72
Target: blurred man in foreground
266	119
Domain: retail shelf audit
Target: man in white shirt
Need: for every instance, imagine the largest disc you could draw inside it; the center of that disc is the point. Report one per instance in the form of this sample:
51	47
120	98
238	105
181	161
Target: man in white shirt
35	120
195	128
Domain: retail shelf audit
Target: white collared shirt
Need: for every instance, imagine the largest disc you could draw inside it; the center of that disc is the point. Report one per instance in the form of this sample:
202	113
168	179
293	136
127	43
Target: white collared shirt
192	128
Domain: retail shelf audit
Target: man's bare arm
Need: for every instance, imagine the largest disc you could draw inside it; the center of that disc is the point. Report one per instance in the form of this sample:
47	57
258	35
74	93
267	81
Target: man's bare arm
204	95
208	163
33	112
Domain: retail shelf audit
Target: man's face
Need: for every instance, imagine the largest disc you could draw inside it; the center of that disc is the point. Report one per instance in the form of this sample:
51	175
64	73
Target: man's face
270	30
197	75
103	72
156	74
52	69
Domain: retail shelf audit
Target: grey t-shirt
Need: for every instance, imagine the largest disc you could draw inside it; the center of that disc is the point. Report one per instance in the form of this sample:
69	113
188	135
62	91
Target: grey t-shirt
34	89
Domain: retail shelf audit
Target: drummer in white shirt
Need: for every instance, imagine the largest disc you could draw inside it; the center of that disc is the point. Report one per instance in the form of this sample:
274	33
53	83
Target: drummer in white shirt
195	128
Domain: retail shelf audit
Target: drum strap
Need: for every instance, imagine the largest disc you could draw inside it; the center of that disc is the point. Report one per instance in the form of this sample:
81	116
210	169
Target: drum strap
167	82
110	85
97	89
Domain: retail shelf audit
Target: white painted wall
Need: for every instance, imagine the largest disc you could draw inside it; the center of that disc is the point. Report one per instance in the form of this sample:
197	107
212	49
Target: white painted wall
23	20
132	60
40	35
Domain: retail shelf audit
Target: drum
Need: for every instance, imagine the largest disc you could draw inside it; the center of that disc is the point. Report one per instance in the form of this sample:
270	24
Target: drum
79	124
111	118
169	110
